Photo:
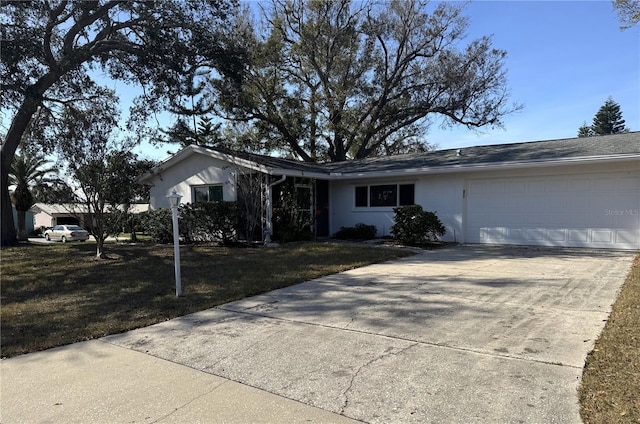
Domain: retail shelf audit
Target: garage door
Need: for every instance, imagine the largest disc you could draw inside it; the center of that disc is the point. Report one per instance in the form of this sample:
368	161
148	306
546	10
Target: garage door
586	210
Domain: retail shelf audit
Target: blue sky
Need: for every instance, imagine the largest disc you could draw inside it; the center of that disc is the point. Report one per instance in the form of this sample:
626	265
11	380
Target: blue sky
565	58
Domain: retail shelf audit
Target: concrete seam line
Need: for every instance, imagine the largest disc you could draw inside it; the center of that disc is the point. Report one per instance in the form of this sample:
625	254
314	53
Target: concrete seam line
461	349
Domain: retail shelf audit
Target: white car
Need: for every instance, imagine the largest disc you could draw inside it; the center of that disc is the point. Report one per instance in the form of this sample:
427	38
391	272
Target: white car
66	233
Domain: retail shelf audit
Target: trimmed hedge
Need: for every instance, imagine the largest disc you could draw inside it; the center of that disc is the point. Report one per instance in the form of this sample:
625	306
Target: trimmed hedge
210	221
157	224
199	222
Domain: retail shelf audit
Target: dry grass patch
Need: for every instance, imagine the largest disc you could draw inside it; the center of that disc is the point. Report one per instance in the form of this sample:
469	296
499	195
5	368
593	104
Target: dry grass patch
56	294
610	389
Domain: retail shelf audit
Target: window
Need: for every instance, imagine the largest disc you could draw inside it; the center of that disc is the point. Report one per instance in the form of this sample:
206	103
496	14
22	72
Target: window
362	199
383	195
389	195
207	194
407	194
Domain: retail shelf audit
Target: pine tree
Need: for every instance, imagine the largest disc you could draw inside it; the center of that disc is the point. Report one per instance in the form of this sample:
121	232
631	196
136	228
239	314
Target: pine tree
608	120
585	130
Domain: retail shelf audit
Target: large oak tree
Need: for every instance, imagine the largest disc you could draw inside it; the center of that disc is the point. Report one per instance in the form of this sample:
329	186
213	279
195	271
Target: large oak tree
51	49
336	80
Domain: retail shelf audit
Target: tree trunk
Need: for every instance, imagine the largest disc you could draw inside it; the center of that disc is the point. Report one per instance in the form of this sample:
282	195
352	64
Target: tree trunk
19	125
6	213
100	247
22	232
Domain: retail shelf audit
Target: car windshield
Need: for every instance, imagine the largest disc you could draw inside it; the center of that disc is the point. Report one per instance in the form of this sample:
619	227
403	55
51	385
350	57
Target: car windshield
74	228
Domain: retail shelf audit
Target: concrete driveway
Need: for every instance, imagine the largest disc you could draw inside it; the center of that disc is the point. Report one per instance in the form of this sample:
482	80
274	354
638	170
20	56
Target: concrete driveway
464	334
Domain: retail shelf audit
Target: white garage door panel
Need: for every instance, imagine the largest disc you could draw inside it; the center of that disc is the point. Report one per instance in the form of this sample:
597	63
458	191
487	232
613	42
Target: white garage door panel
579	236
587	210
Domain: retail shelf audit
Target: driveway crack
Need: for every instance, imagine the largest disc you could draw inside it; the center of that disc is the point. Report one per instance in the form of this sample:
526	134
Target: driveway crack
184	405
355	375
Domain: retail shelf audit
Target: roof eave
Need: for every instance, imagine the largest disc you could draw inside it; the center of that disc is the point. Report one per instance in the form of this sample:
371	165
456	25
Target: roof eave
447	169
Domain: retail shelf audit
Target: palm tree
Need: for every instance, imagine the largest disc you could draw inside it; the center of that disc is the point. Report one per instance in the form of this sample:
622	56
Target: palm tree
26	172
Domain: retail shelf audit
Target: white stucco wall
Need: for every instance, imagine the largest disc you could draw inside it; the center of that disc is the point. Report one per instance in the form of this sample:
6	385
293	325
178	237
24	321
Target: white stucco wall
544	205
441	194
445	194
196	170
43	219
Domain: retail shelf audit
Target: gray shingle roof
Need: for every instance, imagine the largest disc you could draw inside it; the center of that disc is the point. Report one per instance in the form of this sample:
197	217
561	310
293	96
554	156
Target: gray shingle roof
619	144
550	150
273	162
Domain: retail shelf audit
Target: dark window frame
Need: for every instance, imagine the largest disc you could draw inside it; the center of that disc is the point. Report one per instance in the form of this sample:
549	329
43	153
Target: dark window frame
384	195
362	196
211	194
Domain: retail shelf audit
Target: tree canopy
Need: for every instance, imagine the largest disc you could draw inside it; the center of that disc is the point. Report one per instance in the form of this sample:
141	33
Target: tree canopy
51	51
608	120
628	12
336	80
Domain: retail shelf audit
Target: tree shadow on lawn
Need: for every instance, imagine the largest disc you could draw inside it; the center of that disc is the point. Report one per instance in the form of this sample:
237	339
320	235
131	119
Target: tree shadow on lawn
55	295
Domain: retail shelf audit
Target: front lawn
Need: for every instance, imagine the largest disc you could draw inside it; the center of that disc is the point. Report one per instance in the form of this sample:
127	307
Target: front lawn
56	294
610	389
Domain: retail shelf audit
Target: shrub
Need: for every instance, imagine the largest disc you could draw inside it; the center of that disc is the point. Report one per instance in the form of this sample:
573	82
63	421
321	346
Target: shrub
290	224
199	222
414	226
209	221
157	224
39	232
359	232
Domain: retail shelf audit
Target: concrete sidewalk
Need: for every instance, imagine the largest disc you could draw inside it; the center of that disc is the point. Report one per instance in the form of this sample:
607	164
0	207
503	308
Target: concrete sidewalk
472	334
98	382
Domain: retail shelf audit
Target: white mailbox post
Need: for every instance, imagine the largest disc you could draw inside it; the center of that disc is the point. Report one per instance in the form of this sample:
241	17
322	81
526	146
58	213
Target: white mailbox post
174	200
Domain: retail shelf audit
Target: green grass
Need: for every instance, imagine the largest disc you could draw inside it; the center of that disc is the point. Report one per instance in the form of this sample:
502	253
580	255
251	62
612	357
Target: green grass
56	294
610	388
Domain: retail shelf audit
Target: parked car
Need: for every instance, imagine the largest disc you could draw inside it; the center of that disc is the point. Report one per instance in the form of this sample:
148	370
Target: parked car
66	233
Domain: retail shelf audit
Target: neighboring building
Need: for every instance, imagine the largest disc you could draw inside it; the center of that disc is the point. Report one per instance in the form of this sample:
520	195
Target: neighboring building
49	215
580	192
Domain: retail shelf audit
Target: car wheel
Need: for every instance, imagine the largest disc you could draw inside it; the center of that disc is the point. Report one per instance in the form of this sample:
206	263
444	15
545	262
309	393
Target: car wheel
63	239
47	238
